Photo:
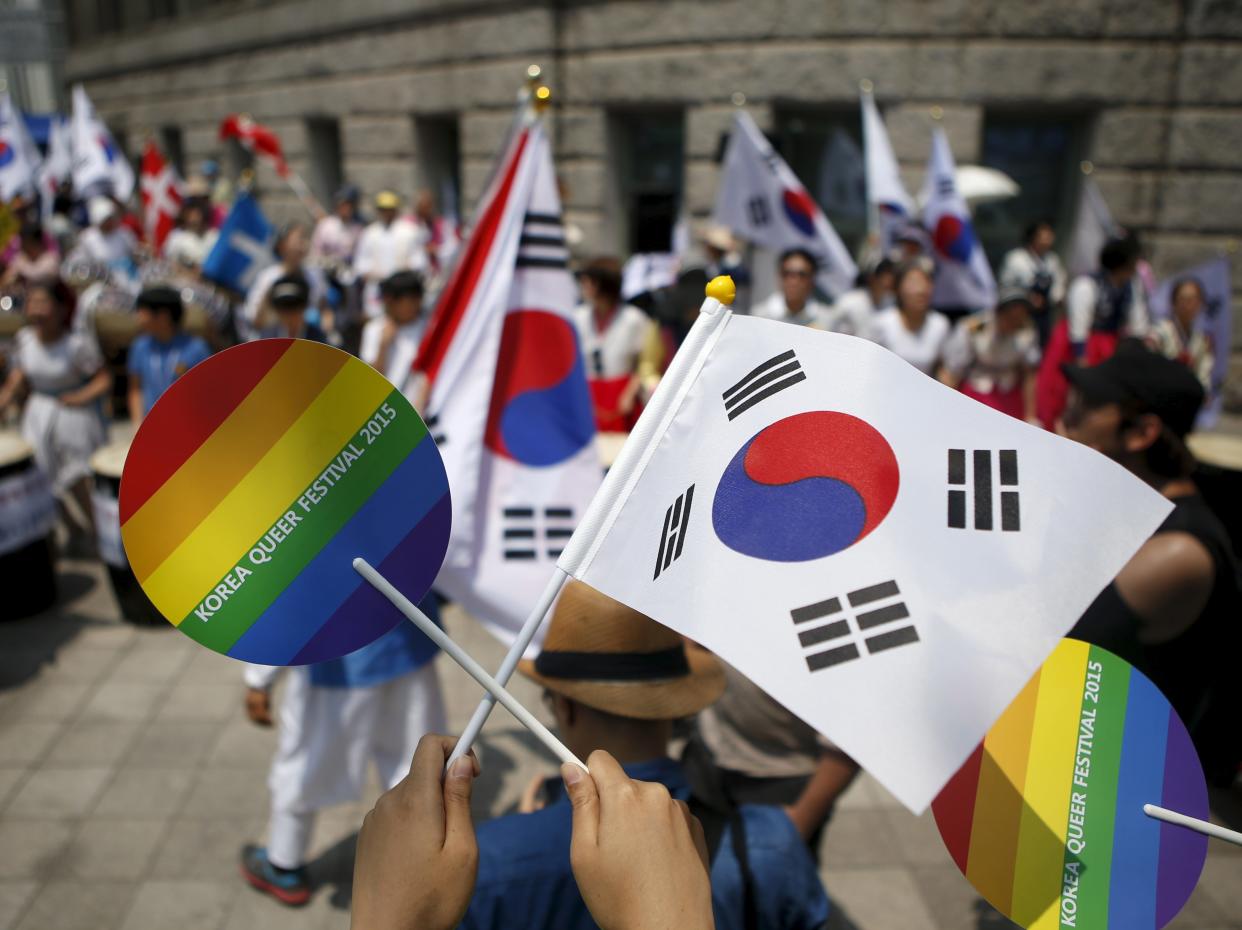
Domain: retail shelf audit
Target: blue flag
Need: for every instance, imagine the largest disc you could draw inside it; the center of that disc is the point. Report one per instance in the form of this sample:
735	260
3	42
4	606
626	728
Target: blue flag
244	247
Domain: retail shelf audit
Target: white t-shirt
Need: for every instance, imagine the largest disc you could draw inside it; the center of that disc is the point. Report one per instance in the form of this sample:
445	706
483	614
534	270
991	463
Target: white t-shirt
813	313
106	248
400	354
613	352
189	248
854	311
921	349
385	250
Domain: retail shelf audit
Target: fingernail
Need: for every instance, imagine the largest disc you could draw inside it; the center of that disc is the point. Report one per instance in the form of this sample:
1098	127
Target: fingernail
571	773
461	768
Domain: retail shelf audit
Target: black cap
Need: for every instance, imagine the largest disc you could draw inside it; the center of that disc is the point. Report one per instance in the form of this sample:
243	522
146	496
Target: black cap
289	292
160	297
1137	376
402	284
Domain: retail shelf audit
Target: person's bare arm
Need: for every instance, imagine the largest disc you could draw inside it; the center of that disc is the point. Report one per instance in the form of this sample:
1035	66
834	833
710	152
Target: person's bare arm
832	776
99	385
12	384
134	395
1167	584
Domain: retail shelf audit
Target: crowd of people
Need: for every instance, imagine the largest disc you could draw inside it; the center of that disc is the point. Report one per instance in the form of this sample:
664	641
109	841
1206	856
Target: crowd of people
732	826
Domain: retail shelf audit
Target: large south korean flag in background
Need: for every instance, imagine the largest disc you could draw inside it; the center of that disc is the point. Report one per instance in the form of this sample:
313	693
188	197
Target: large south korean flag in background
889	559
762	200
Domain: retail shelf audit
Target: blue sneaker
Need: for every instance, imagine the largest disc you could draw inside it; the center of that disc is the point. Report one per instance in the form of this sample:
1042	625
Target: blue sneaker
288	886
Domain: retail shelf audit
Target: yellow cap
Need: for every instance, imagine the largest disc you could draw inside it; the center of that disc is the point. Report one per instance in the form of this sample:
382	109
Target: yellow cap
723	289
387	200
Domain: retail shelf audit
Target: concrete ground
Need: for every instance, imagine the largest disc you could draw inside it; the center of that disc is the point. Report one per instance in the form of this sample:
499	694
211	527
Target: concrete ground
129	780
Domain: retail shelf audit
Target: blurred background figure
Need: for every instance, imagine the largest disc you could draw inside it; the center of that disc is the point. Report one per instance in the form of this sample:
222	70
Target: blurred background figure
390	342
290	300
1038	270
1178	338
912	329
192	241
162	353
62	376
106	241
795	301
993	356
612	336
34	260
292	248
390	244
336	235
873	291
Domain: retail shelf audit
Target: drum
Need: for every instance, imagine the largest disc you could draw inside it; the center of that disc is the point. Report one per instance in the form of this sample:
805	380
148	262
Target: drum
27	516
106	466
1219	477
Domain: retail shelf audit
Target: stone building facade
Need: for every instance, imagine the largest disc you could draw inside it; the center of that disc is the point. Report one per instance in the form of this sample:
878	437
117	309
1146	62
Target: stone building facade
410	93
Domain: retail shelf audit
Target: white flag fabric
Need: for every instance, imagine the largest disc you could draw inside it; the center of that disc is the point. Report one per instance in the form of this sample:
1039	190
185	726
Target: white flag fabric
1216	319
98	162
889	204
19	158
963	275
762	200
57	167
887	558
509	404
1093	226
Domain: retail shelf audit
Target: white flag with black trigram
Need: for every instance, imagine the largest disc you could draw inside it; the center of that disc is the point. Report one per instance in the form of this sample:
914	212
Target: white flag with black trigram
509	405
886	557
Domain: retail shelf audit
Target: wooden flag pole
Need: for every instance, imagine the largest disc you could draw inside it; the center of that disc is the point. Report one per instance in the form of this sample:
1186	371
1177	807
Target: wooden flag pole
1193	823
462	658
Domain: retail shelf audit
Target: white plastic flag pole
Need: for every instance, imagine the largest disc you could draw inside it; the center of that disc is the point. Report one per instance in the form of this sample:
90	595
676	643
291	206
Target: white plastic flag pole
459	655
509	665
1193	823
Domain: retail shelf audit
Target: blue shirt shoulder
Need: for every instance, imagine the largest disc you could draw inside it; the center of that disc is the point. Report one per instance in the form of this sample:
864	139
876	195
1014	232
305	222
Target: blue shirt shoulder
525	878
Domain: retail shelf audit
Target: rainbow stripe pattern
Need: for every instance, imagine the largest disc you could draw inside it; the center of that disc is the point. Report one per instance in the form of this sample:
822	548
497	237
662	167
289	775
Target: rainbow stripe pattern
255	481
1046	818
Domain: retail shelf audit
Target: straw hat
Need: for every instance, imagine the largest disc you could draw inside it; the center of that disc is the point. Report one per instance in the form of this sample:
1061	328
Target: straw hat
719	237
608	656
387	200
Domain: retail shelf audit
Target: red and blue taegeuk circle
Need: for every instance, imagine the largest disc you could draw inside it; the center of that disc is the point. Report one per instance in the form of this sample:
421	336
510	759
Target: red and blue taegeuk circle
805	487
6	154
800	210
540	413
108	149
954	237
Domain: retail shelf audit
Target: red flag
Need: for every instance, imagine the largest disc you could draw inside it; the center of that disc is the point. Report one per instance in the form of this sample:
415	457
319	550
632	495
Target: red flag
161	197
257	138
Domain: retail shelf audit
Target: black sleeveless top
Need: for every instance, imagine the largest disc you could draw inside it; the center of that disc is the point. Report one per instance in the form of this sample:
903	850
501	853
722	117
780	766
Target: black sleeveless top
1192	669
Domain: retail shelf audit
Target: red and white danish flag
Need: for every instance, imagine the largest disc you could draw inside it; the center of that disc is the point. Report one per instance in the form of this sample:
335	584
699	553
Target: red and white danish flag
161	196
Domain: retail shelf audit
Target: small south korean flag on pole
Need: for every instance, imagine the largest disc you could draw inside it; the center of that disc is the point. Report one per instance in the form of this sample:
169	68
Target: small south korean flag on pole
889	559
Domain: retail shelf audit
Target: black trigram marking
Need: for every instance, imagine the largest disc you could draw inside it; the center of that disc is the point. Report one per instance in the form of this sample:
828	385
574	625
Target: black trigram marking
843	636
542	244
531	533
760	214
673	534
772	377
982	492
945	186
433	427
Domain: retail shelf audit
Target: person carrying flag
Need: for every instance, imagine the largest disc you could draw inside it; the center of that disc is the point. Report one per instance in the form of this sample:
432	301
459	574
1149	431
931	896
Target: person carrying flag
615	680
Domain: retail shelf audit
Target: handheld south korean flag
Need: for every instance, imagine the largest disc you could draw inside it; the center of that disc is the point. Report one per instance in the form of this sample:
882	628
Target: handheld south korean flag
889	559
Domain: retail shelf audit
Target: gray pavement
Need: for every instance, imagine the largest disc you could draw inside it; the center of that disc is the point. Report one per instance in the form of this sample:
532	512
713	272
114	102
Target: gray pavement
129	780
